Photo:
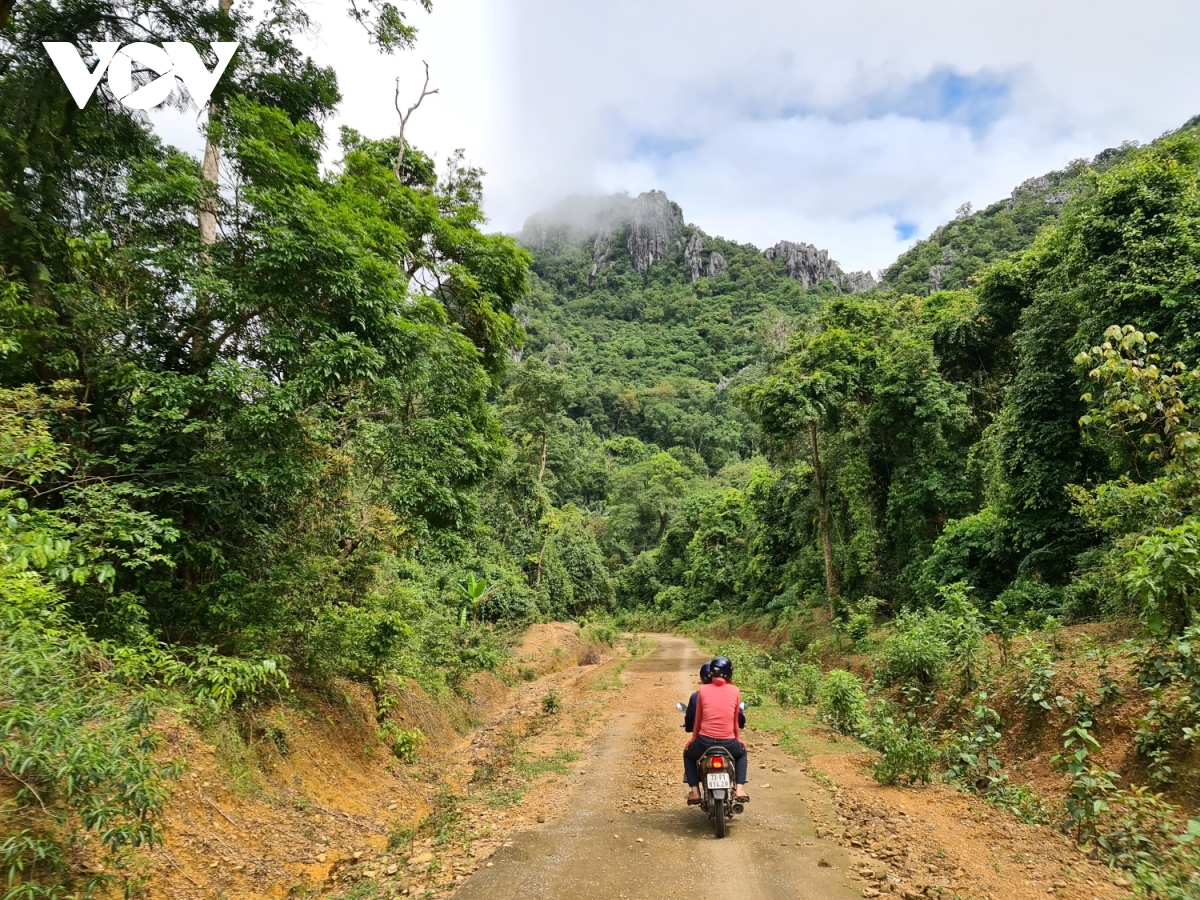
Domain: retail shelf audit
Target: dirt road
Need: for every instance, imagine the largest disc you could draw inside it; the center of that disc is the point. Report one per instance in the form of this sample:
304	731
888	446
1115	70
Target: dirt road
626	833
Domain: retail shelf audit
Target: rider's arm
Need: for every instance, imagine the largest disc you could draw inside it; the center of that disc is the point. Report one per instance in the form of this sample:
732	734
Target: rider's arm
689	717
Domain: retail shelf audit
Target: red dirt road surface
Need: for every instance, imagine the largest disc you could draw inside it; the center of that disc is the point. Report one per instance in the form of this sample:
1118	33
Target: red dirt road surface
625	831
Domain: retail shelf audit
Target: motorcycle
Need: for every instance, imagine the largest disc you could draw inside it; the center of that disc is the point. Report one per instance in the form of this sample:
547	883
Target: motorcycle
716	769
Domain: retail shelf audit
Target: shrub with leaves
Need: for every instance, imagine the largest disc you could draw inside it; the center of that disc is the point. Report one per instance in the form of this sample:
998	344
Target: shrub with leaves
1035	687
405	743
794	682
963	628
1143	405
906	751
1091	785
970	755
1173	871
76	752
916	653
843	701
1170	672
1019	799
1164	573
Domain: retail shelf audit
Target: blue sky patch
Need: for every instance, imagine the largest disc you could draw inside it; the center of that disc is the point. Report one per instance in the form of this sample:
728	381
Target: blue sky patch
977	101
905	230
659	146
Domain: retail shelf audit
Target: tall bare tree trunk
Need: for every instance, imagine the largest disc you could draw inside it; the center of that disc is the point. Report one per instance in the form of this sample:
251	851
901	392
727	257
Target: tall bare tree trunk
210	171
831	588
5	11
537	582
542	470
405	116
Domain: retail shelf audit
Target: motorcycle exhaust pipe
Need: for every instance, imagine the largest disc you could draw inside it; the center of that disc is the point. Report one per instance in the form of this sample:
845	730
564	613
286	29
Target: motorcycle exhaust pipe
739	808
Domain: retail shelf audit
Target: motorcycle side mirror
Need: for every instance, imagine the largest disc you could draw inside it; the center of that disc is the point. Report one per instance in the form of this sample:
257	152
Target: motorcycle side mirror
681	707
742	706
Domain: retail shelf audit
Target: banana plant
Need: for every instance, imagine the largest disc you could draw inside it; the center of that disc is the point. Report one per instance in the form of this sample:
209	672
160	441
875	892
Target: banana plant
476	592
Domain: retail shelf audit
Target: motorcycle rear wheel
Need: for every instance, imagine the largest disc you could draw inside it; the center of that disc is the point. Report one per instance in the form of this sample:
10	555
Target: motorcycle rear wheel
719	818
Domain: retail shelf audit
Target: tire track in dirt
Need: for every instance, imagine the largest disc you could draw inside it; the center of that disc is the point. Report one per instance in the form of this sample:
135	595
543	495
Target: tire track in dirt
626	833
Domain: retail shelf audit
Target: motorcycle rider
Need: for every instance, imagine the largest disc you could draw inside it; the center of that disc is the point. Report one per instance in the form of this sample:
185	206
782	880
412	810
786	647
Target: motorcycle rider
689	717
716	724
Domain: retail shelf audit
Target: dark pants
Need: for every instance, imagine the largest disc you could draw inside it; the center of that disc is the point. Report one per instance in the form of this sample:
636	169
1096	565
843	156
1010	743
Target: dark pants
695	750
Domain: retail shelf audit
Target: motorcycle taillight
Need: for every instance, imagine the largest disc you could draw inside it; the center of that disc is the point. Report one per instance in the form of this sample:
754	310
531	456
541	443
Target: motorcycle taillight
718	762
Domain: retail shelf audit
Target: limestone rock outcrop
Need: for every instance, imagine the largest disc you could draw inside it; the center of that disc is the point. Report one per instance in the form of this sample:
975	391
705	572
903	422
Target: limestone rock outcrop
693	248
655	224
857	282
805	263
652	229
810	266
937	272
601	247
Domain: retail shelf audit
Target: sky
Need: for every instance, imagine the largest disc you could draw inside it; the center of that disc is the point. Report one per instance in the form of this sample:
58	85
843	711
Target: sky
855	125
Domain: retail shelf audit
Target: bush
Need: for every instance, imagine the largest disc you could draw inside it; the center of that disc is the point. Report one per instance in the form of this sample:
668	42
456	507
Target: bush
405	743
1027	595
1019	799
77	754
906	752
916	653
1170	673
794	682
970	755
858	629
843	701
977	549
1165	576
1035	689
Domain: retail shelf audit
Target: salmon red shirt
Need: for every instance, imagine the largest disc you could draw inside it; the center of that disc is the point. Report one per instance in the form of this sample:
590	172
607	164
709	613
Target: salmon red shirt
716	710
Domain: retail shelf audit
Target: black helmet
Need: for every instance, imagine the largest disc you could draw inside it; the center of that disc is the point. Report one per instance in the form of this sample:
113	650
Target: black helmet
705	678
721	667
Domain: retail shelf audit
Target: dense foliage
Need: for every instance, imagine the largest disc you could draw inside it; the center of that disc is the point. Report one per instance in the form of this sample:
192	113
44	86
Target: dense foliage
348	433
236	460
744	444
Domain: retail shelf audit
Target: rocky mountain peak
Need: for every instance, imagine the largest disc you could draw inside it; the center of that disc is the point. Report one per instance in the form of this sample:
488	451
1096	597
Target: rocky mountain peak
653	229
810	266
655	225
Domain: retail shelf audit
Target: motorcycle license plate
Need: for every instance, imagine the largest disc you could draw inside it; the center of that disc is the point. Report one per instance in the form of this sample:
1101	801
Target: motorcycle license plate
718	781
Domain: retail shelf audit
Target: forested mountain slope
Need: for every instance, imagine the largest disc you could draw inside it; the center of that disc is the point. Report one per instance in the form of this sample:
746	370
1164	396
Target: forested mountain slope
999	439
934	431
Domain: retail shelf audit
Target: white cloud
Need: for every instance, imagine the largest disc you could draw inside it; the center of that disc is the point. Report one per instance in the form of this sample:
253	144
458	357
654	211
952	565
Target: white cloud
824	122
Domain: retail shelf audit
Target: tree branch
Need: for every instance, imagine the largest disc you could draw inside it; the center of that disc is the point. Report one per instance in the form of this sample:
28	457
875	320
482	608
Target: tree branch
404	117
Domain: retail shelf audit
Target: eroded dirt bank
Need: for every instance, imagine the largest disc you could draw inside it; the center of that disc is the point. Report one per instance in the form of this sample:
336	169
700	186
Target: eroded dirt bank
307	802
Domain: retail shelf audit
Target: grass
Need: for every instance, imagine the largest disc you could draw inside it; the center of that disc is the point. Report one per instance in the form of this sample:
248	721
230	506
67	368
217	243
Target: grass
364	890
445	823
611	680
504	796
522	764
237	760
798	732
558	763
822	779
